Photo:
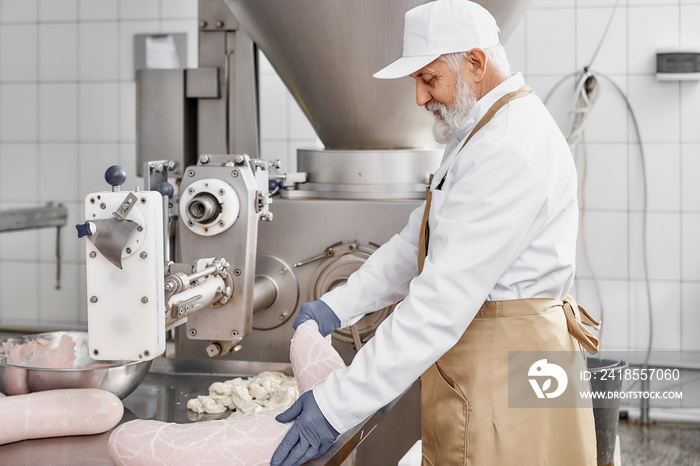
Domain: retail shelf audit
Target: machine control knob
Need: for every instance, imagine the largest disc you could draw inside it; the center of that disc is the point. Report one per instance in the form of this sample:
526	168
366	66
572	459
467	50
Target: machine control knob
86	229
115	175
165	189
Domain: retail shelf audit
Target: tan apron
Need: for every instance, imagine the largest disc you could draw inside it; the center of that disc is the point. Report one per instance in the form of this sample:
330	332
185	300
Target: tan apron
464	395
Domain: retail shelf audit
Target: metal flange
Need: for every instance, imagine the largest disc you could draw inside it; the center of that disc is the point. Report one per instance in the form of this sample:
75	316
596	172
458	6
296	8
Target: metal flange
282	308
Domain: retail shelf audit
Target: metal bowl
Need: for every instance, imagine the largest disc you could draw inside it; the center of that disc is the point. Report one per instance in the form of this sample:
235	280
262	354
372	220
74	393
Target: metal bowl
55	360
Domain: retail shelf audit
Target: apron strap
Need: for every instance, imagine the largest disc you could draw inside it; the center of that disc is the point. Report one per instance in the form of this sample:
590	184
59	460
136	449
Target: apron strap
576	322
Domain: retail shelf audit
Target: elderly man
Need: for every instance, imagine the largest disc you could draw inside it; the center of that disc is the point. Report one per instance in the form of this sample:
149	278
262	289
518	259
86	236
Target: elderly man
482	268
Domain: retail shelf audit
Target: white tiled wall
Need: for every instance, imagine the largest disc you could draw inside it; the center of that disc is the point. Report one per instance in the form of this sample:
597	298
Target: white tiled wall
560	38
67	112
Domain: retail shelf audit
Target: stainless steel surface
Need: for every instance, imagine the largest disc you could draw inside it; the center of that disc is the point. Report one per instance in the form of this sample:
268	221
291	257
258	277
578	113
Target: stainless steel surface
265	293
111	236
163	396
365	174
326	51
60	360
235	241
368	167
303	229
165	119
202	83
33	217
276	292
215	17
228	124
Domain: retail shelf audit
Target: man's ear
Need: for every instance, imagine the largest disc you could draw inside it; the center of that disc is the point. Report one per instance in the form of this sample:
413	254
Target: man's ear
475	63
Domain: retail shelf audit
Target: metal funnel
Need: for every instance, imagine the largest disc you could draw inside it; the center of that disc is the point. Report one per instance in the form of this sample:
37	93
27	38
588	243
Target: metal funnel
326	51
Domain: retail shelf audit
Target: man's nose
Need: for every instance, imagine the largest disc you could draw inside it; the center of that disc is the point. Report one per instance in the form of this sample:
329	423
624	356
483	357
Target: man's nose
423	96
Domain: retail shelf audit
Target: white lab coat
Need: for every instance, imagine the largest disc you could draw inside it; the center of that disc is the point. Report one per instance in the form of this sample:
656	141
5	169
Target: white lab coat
502	227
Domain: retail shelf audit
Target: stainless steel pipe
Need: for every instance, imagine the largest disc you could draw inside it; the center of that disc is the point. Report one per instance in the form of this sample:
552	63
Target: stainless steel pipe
264	294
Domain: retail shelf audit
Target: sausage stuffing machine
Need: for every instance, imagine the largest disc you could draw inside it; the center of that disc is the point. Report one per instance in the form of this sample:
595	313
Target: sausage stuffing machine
220	247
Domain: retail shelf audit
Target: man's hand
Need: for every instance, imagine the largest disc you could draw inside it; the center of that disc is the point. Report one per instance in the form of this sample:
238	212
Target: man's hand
310	436
319	311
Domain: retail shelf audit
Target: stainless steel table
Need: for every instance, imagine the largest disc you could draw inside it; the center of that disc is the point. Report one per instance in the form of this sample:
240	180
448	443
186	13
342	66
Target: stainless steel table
163	396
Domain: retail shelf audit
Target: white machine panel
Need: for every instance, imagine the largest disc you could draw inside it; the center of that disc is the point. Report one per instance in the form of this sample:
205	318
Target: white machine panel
126	307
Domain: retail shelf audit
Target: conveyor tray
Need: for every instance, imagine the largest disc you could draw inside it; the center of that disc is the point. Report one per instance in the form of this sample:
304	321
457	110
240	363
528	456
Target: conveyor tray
163	396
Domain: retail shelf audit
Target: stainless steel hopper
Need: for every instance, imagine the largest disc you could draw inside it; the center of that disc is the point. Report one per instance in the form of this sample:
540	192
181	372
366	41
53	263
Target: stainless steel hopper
326	51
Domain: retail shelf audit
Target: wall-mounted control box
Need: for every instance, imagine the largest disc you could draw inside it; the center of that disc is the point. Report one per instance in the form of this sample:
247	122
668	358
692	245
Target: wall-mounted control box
678	64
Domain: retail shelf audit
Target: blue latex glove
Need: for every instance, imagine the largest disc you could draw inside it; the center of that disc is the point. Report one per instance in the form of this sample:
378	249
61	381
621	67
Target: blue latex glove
319	311
310	436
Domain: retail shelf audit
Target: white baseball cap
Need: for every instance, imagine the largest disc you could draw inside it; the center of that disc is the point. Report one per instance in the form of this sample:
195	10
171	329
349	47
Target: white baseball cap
440	27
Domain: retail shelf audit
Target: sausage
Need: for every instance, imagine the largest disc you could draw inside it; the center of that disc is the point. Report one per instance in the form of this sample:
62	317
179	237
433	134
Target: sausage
312	356
58	413
244	441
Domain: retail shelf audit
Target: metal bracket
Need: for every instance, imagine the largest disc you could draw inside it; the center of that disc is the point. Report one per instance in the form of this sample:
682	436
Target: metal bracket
125	207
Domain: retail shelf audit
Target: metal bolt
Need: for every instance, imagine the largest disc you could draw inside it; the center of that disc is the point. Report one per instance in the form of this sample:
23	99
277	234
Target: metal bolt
103	206
190	191
190	223
239	159
283	270
234	173
143	200
147	353
222	192
193	332
96	352
93	254
139	228
204	159
92	200
169	287
128	250
219	24
234	333
237	272
93	299
222	223
144	300
282	316
202	24
190	173
140	356
143	255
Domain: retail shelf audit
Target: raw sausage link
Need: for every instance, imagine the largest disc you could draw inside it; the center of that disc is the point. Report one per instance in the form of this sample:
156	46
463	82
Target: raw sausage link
58	413
243	441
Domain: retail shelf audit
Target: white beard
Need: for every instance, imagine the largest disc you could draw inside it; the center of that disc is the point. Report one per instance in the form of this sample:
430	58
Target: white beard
449	119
